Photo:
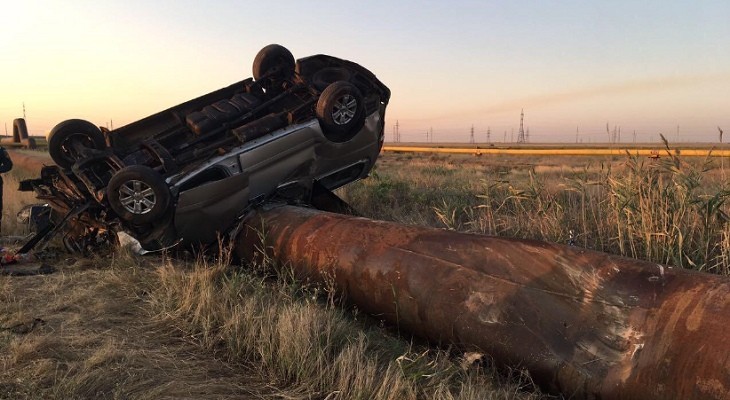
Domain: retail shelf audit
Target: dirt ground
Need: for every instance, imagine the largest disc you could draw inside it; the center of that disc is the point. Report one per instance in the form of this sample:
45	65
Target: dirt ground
83	332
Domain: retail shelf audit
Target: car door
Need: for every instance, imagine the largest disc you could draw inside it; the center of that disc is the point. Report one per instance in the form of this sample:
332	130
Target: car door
209	209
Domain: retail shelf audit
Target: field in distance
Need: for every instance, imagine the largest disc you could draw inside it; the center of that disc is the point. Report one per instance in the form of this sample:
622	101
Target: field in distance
501	145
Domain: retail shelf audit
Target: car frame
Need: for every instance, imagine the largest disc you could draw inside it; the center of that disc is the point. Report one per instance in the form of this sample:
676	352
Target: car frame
293	133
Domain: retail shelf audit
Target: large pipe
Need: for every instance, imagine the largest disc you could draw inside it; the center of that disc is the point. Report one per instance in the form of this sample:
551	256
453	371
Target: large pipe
586	324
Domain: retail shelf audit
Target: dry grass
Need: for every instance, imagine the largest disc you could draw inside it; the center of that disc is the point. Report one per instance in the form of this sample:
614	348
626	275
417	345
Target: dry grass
304	341
92	338
122	328
670	210
13	201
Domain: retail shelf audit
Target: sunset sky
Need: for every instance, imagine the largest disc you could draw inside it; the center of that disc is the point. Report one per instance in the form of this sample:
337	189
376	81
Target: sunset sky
648	67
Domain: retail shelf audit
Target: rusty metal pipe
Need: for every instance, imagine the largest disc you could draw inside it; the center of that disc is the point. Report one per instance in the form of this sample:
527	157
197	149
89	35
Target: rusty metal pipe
586	324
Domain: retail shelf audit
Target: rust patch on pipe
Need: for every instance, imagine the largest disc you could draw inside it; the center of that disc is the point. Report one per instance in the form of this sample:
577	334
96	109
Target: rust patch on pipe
586	324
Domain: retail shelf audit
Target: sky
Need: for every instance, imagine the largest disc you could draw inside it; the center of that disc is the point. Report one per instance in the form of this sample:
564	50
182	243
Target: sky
580	70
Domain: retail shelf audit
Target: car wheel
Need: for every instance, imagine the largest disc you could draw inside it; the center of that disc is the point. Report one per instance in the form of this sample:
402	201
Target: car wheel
326	76
340	111
275	61
68	139
138	194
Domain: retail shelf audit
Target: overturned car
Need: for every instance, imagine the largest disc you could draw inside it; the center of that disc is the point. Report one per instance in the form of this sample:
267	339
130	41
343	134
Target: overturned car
293	133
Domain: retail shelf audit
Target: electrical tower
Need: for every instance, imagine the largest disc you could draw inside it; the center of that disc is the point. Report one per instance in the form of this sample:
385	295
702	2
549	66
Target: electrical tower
24	110
521	133
471	136
396	133
489	135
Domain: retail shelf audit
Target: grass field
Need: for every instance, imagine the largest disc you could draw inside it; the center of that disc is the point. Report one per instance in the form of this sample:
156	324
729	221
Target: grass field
670	210
120	326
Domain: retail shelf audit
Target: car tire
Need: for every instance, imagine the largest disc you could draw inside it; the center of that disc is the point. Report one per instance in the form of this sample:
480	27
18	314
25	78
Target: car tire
271	57
340	111
64	135
327	76
138	194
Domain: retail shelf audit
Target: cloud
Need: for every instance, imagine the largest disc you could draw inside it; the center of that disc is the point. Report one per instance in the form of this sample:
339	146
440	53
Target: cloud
627	89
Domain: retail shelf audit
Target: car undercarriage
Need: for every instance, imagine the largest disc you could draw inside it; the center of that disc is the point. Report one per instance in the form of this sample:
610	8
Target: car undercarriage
294	132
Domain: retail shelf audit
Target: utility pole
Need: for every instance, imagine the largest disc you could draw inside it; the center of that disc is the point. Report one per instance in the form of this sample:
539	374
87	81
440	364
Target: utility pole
24	110
489	134
634	135
521	133
471	136
396	132
504	139
613	138
577	131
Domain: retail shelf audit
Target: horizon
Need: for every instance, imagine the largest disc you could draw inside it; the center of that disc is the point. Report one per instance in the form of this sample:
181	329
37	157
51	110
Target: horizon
654	67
